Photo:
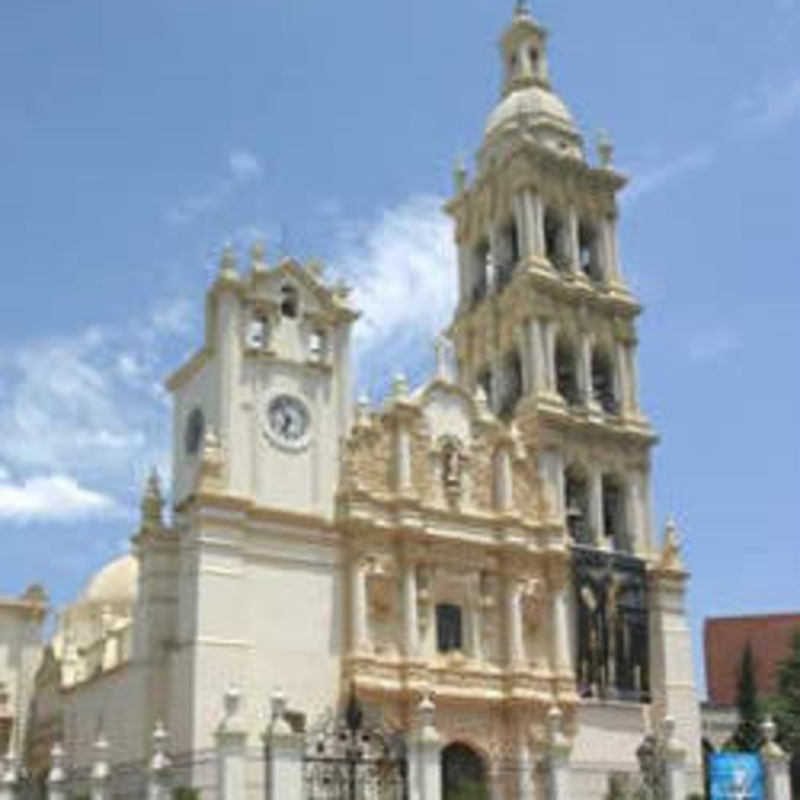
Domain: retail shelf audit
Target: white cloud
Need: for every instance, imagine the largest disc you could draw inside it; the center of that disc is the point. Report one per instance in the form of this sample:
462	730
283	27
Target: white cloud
90	406
403	267
648	181
55	498
244	165
712	344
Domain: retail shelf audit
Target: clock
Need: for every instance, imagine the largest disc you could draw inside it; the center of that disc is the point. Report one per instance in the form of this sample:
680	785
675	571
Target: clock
287	420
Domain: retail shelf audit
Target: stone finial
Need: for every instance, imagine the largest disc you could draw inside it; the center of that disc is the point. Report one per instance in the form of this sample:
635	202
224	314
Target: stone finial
278	705
443	349
227	264
9	773
258	257
605	149
232	701
152	505
399	386
363	410
57	772
771	749
521	9
671	558
159	760
460	175
100	767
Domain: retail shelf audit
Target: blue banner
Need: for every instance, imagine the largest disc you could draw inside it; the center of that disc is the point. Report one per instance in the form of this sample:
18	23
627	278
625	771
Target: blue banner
736	776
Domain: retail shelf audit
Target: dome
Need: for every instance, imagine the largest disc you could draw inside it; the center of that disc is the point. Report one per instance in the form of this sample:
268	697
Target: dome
534	103
115	584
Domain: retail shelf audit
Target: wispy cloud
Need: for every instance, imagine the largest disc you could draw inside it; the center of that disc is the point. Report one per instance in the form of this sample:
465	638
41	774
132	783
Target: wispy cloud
87	410
771	107
243	167
403	267
712	344
54	498
650	180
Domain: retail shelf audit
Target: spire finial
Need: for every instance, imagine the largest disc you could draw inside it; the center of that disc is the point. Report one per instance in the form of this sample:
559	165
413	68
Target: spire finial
521	9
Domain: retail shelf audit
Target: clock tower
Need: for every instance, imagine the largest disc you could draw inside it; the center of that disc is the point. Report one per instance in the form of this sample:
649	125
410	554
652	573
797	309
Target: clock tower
265	401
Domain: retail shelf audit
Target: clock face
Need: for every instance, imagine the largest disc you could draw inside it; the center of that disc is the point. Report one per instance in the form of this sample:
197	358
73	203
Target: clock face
287	418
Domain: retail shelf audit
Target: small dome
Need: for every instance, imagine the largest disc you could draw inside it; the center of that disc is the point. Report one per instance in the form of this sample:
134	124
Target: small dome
534	103
114	585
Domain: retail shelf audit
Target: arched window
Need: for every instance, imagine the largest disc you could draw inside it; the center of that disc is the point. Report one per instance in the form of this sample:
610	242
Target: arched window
485	382
614	519
258	331
588	252
289	302
480	283
576	503
508	256
603	381
566	371
317	344
511	385
554	238
463	774
449	633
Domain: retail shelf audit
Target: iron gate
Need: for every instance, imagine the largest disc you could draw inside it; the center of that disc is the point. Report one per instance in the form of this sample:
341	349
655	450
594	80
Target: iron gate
348	758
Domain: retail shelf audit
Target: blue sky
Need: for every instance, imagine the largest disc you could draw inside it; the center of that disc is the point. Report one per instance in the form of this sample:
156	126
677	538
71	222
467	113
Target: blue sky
138	137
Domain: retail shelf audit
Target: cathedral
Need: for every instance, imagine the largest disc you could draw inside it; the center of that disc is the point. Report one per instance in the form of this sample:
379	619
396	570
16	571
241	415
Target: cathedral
484	539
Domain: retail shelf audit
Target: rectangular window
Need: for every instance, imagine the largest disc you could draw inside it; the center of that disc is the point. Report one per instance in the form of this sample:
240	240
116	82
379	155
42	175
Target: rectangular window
448	627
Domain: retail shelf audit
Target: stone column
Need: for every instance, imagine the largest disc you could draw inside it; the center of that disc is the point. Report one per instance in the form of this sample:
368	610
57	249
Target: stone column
558	569
585	370
231	742
559	747
634	511
158	784
596	508
776	764
612	269
523	341
504	494
404	483
284	755
100	775
535	356
410	603
633	379
622	380
358	603
9	777
521	220
572	247
516	642
424	761
550	354
57	777
525	787
675	762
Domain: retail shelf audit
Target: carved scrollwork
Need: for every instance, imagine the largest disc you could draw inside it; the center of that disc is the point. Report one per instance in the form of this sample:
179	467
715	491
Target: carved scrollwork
531	601
381	584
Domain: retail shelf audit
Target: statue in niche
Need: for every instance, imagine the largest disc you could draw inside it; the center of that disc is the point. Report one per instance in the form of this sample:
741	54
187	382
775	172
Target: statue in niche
451	466
530	599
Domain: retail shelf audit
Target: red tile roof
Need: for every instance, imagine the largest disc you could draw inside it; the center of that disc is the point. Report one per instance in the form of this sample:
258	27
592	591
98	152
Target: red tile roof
724	641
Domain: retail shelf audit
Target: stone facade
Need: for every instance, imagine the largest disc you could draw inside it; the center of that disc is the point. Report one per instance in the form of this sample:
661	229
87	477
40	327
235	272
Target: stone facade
485	538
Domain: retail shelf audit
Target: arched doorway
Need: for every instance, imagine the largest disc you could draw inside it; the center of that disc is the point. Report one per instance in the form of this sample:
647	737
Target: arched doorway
463	774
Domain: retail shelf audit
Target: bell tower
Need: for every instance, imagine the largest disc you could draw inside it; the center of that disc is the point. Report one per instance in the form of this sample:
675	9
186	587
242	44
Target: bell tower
545	323
545	331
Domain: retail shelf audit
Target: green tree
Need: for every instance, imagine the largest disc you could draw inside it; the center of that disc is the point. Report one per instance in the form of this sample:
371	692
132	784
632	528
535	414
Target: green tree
785	708
747	736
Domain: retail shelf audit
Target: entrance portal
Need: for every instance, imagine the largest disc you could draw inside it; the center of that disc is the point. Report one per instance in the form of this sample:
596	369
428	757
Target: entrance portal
463	774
